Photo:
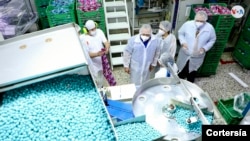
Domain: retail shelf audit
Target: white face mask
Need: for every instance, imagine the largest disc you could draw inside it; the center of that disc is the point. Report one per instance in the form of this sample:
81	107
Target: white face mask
144	38
93	33
199	24
161	32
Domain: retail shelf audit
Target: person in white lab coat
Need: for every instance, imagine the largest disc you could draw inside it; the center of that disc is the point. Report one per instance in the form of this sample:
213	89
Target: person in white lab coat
168	40
94	40
140	55
164	68
196	38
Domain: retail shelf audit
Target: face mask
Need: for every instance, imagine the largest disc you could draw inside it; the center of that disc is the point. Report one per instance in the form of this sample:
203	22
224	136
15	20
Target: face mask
198	24
92	33
161	32
144	38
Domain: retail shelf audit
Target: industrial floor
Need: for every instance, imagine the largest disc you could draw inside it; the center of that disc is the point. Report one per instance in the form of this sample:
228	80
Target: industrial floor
218	86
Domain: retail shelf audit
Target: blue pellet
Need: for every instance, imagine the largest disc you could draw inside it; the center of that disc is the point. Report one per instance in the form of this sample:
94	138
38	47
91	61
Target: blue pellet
181	115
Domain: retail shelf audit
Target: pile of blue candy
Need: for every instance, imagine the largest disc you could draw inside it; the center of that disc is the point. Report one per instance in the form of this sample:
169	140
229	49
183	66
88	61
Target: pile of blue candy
65	108
60	3
61	6
60	10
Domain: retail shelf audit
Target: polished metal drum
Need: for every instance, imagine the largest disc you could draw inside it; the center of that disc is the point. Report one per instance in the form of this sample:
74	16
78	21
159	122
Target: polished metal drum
156	96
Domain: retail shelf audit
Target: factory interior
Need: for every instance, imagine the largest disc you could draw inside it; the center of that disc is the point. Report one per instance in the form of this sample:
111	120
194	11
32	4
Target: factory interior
48	91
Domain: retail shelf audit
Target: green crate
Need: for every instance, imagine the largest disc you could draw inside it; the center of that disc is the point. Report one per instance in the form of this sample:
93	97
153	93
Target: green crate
244	43
222	34
61	22
98	16
244	50
41	3
63	18
42	11
227	111
246	32
240	57
213	57
43	23
241	53
41	6
100	23
245	46
247	23
82	16
225	21
218	46
207	69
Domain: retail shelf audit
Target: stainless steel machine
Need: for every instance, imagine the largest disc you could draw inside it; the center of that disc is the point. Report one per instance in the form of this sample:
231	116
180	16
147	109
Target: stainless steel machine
159	100
39	56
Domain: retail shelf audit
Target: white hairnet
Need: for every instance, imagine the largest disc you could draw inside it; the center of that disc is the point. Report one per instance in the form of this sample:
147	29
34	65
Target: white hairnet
165	59
201	15
146	27
166	25
90	24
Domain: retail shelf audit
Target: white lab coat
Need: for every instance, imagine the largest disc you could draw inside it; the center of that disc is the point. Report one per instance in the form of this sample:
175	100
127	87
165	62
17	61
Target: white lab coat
168	44
206	40
138	58
95	44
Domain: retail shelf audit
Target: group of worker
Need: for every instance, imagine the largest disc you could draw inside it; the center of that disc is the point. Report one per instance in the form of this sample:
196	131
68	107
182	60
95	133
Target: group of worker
147	55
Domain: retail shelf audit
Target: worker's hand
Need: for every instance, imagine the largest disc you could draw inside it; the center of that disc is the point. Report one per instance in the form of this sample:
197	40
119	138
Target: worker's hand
151	68
106	50
184	45
100	53
107	47
202	50
127	70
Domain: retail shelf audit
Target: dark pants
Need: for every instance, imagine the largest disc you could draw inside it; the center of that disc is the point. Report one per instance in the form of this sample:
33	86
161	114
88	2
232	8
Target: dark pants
185	73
